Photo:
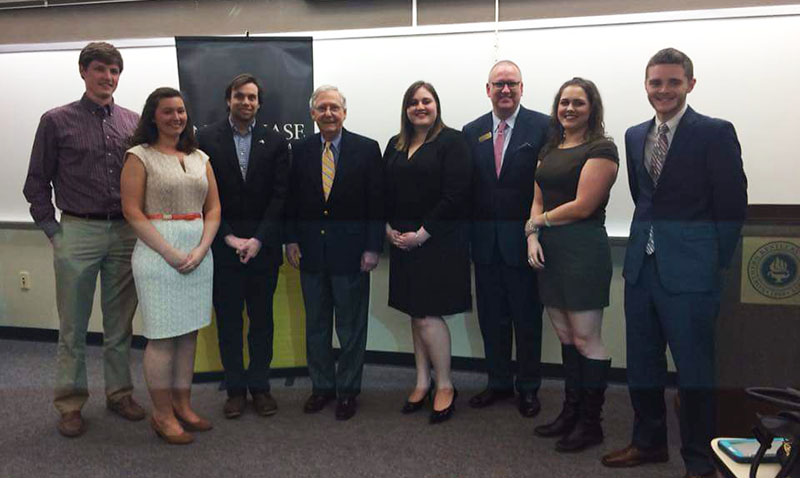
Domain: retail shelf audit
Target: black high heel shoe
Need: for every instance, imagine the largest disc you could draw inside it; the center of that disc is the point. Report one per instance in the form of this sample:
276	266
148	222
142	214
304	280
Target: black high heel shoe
439	416
411	407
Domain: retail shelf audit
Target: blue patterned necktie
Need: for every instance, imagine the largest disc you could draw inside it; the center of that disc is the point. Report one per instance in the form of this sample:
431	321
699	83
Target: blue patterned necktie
656	165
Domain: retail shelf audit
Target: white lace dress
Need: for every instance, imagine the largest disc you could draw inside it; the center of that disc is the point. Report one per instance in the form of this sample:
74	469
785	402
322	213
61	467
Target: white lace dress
171	303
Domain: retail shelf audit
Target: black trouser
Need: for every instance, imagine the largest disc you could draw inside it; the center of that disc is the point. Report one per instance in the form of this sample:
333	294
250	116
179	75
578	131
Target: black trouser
235	287
508	305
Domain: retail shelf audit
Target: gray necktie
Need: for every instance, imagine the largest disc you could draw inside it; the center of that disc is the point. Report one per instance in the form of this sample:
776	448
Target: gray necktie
656	165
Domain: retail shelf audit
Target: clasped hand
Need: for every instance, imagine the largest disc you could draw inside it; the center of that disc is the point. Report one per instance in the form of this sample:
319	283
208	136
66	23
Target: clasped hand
246	249
406	240
185	262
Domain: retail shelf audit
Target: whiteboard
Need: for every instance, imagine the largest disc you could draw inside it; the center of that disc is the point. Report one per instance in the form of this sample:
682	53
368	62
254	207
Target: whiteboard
745	68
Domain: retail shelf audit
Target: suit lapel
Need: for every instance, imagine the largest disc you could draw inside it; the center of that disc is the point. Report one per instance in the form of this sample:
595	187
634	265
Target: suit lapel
486	147
681	138
519	132
639	153
315	165
257	143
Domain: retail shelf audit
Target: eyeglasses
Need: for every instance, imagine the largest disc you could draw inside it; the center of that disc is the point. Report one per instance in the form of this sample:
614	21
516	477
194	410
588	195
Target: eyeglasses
501	84
332	108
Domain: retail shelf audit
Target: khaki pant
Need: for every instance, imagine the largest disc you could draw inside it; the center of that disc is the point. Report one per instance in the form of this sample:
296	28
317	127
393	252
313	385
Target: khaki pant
82	249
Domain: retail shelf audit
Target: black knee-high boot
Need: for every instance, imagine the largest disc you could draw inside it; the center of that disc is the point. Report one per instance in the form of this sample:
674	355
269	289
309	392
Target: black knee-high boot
588	431
568	417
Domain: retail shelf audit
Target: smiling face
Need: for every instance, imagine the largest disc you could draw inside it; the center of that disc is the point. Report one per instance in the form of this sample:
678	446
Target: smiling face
170	117
504	89
101	81
329	113
243	103
421	109
667	87
574	109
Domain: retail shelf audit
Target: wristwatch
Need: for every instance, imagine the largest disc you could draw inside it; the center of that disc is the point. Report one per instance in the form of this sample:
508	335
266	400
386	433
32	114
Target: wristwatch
530	228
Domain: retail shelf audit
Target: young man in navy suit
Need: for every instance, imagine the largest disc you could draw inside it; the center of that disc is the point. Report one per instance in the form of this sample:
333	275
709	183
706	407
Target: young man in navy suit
334	234
690	192
251	164
505	147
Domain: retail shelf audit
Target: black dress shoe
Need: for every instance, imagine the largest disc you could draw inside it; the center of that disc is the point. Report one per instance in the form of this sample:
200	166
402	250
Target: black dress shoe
411	407
316	403
346	408
439	416
529	405
488	397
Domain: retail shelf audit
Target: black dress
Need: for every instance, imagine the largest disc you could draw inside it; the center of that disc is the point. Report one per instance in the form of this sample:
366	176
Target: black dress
431	190
577	270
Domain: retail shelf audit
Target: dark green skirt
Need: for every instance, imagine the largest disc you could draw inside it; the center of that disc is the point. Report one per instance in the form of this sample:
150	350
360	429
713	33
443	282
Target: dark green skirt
577	272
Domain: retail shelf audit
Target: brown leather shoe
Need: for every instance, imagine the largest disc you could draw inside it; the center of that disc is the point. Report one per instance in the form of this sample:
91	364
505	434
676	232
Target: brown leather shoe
264	404
201	425
127	408
180	439
71	424
234	406
631	456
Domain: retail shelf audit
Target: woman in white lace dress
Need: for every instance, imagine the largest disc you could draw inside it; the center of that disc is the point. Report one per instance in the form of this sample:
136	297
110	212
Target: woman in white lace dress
169	196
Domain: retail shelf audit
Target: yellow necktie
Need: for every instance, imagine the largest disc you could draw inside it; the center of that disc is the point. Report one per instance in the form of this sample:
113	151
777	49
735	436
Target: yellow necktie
328	170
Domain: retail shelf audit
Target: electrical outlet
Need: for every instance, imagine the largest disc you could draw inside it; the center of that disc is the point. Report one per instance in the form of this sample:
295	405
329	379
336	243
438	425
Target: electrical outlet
24	280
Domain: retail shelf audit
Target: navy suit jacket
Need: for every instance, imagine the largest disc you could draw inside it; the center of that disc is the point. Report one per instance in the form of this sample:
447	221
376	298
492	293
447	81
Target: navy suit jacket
697	208
500	206
333	234
251	206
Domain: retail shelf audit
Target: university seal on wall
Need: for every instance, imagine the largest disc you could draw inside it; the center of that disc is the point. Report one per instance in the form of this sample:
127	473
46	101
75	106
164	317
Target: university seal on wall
773	270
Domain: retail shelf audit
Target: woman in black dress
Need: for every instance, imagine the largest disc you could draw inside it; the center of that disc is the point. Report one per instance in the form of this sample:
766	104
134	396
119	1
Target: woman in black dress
428	174
567	243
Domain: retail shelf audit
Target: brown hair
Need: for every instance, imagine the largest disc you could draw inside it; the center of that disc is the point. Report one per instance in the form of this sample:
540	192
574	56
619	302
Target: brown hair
406	128
595	128
241	80
102	52
671	56
147	132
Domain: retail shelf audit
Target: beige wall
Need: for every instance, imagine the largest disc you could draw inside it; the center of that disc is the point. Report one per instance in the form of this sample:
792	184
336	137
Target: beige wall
167	18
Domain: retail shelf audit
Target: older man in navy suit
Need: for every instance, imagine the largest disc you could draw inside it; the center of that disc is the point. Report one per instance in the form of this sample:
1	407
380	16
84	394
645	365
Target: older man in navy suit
334	234
505	147
690	191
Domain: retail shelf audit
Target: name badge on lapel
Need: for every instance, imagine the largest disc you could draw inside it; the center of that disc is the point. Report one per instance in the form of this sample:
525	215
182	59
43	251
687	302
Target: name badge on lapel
484	137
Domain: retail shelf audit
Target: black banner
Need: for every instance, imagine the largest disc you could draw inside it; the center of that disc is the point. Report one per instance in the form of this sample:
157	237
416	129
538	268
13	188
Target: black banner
206	65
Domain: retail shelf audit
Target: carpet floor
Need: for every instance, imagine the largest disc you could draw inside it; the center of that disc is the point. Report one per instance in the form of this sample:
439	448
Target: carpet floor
378	442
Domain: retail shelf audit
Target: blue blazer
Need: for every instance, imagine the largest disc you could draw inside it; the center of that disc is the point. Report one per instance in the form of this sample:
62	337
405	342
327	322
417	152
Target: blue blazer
696	210
500	206
333	234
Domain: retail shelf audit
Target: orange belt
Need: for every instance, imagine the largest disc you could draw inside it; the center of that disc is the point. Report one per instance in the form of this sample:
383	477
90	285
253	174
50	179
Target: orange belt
176	217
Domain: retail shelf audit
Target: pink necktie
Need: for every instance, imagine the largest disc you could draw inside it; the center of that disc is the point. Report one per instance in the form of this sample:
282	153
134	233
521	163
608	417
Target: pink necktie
499	141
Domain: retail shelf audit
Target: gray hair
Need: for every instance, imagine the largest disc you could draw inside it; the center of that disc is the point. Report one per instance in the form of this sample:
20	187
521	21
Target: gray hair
323	89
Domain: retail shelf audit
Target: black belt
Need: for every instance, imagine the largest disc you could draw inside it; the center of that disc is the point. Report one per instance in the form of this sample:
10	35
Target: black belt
102	216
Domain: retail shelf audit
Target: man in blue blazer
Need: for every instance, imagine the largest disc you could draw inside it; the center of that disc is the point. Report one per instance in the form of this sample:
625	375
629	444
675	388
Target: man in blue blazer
505	147
335	232
690	191
251	165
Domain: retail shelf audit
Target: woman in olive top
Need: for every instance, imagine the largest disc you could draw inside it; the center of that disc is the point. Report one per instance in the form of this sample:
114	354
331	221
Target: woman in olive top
567	243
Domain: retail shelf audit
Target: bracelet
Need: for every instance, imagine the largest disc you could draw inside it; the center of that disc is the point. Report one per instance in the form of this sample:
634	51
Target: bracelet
530	228
546	221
